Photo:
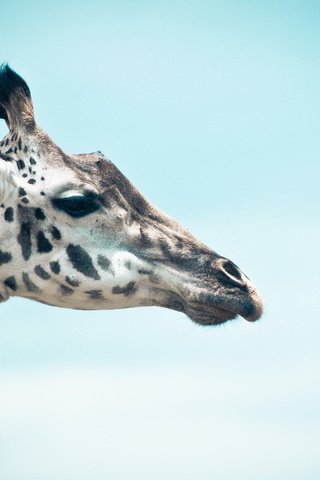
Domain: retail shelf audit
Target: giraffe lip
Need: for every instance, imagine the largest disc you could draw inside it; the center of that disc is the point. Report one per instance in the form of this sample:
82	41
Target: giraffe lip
200	313
215	312
219	309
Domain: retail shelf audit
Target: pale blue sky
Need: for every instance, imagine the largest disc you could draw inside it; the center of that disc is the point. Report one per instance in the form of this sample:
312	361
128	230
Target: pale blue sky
212	110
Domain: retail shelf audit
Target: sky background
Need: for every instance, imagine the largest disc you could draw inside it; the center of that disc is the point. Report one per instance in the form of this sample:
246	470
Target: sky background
212	110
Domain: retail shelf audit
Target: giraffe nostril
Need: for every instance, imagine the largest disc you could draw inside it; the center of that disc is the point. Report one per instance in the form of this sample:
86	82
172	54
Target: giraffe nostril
232	270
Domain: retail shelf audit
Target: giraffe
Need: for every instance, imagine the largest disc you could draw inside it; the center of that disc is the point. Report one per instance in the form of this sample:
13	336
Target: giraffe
75	233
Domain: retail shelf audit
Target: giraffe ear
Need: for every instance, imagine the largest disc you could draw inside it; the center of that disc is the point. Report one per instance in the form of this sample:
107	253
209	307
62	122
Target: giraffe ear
15	100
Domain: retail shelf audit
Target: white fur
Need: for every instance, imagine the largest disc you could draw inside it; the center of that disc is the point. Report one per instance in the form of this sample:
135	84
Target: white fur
8	182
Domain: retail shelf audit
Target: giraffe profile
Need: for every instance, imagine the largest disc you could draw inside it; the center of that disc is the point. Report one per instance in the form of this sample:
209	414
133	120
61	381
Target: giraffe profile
75	233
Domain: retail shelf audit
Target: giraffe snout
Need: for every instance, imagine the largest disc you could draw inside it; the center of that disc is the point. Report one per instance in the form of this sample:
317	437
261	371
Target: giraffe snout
221	292
249	301
250	306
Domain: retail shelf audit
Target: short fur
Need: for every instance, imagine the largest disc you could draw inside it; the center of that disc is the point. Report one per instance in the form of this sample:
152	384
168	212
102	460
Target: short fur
77	221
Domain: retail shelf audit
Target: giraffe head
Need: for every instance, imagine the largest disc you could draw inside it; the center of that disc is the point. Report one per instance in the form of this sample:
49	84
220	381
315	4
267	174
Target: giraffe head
75	233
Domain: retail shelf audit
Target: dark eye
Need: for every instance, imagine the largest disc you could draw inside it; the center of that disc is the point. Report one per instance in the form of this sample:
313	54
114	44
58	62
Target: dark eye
77	205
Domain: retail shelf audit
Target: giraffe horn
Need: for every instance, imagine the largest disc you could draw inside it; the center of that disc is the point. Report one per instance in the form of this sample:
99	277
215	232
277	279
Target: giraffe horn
16	106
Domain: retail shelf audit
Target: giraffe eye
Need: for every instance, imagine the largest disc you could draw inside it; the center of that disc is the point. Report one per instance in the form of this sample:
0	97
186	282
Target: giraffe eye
79	205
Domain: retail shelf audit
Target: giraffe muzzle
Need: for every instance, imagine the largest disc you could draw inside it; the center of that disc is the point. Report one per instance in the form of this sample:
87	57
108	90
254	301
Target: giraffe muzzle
215	309
214	293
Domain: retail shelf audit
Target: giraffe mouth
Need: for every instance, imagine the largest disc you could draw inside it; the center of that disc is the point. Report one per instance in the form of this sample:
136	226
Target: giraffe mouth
218	311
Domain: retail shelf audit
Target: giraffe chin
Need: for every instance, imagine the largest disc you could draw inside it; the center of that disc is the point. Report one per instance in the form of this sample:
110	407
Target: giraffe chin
204	318
208	319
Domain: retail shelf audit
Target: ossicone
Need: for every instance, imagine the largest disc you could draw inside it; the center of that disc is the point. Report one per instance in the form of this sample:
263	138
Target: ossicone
15	100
